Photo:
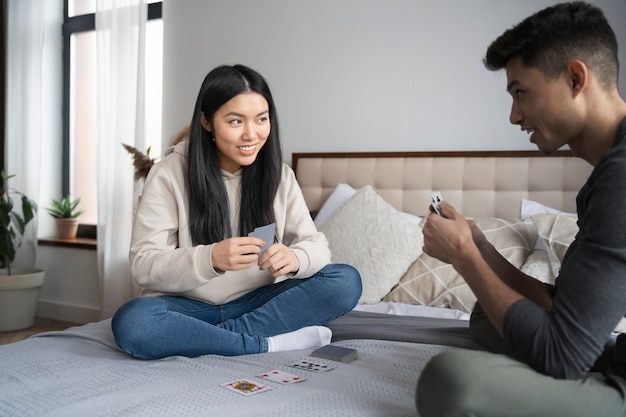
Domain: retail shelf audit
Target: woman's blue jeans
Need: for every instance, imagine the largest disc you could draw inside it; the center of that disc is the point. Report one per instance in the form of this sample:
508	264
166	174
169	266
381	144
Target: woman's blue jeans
157	327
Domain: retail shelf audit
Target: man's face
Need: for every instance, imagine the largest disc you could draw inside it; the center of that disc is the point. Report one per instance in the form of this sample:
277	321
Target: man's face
542	107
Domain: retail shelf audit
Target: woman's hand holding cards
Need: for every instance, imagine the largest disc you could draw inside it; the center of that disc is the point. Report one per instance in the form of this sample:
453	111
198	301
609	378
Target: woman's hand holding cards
236	253
279	260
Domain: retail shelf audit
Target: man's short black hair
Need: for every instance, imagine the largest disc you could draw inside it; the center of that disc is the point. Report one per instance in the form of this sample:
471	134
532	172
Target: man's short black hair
549	39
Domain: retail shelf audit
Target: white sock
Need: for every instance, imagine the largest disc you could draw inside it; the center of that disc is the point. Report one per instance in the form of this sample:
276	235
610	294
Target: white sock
304	338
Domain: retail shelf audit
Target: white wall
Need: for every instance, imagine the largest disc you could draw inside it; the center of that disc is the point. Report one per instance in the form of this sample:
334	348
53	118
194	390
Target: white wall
359	75
347	75
70	291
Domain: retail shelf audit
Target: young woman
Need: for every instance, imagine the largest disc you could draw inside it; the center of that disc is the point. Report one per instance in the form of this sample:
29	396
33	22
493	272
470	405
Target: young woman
214	292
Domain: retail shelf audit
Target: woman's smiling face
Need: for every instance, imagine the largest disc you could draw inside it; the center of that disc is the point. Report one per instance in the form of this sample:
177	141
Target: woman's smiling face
240	128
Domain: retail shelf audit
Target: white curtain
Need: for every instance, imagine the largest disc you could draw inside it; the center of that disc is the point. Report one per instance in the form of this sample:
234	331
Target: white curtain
120	31
32	88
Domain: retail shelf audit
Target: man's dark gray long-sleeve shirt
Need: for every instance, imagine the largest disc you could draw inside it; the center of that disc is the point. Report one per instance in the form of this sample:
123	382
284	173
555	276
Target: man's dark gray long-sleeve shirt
589	296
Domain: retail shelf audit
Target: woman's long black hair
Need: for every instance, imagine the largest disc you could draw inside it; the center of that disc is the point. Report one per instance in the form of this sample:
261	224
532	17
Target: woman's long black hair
208	202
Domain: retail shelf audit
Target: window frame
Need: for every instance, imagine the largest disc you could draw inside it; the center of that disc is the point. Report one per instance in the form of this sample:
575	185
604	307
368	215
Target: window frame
71	26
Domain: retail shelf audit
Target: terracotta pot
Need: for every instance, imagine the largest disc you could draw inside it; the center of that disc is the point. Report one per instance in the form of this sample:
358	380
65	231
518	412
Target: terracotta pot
19	293
67	228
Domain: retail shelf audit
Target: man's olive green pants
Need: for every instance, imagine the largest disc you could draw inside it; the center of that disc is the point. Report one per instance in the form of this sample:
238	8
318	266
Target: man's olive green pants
488	382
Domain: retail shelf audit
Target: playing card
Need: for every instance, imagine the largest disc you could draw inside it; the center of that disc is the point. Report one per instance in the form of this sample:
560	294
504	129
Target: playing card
435	200
266	234
281	376
245	387
312	366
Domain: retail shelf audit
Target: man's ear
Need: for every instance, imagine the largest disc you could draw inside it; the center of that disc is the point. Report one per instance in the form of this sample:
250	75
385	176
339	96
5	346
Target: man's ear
579	76
205	123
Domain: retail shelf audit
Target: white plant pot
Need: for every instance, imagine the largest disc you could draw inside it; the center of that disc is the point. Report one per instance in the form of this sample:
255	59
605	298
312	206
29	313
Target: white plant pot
19	294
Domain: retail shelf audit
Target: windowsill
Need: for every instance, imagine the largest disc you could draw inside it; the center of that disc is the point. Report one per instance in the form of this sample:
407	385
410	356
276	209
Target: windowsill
76	243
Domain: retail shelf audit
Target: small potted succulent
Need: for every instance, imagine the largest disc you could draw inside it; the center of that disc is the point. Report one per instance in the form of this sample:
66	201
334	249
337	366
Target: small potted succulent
19	288
65	213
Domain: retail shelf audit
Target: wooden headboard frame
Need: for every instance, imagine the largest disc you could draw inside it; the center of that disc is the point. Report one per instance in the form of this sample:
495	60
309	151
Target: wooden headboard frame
477	183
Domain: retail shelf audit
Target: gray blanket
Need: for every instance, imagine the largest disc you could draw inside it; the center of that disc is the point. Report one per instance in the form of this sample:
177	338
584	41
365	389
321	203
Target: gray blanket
366	325
81	372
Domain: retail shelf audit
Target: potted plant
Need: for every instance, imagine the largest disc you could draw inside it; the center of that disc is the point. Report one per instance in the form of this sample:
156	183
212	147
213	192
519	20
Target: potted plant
66	215
19	289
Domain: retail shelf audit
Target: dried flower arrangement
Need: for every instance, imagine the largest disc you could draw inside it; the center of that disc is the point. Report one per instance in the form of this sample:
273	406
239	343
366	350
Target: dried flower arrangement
142	161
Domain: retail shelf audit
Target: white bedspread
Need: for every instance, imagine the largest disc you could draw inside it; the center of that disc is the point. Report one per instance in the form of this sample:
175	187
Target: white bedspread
80	372
413	310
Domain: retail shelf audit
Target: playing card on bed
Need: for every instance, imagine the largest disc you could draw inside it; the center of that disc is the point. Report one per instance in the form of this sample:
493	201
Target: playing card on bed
312	366
266	234
281	376
245	387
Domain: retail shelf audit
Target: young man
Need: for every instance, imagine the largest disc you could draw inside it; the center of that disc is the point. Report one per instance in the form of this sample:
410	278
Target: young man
548	349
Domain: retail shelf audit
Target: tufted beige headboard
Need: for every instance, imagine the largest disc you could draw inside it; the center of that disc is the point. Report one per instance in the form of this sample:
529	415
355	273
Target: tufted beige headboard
477	183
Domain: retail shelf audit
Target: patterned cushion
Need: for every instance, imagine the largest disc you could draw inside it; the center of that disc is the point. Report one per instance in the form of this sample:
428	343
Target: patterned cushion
431	282
557	231
369	234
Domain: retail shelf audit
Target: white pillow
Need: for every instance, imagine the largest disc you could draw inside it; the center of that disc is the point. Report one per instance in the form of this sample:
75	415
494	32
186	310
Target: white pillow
371	235
529	208
339	196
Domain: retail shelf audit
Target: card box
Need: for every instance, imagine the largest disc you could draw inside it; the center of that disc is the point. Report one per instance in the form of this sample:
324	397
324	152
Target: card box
336	353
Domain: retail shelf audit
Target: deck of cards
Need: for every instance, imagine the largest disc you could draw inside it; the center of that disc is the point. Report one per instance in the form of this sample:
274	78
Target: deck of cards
336	353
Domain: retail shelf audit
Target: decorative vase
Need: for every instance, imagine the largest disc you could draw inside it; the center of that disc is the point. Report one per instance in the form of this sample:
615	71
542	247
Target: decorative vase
67	228
19	294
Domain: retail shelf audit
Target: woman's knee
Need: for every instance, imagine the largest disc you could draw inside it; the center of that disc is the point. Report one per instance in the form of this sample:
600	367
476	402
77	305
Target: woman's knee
346	284
129	313
133	315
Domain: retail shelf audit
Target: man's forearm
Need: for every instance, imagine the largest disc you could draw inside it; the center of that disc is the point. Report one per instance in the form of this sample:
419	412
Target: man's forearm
527	286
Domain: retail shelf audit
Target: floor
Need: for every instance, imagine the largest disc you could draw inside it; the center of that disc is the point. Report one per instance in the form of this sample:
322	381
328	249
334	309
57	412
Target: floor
42	324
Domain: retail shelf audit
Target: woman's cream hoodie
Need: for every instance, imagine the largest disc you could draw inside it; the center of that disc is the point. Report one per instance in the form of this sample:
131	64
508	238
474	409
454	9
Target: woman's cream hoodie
163	259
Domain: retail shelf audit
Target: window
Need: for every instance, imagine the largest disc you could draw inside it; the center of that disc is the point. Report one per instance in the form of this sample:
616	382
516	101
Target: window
79	98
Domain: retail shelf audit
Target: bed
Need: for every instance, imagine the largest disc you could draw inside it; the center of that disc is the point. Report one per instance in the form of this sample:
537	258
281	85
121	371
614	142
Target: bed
371	206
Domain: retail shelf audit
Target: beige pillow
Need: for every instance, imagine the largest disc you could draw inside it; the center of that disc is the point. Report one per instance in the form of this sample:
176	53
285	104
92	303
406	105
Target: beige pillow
557	232
431	282
369	234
